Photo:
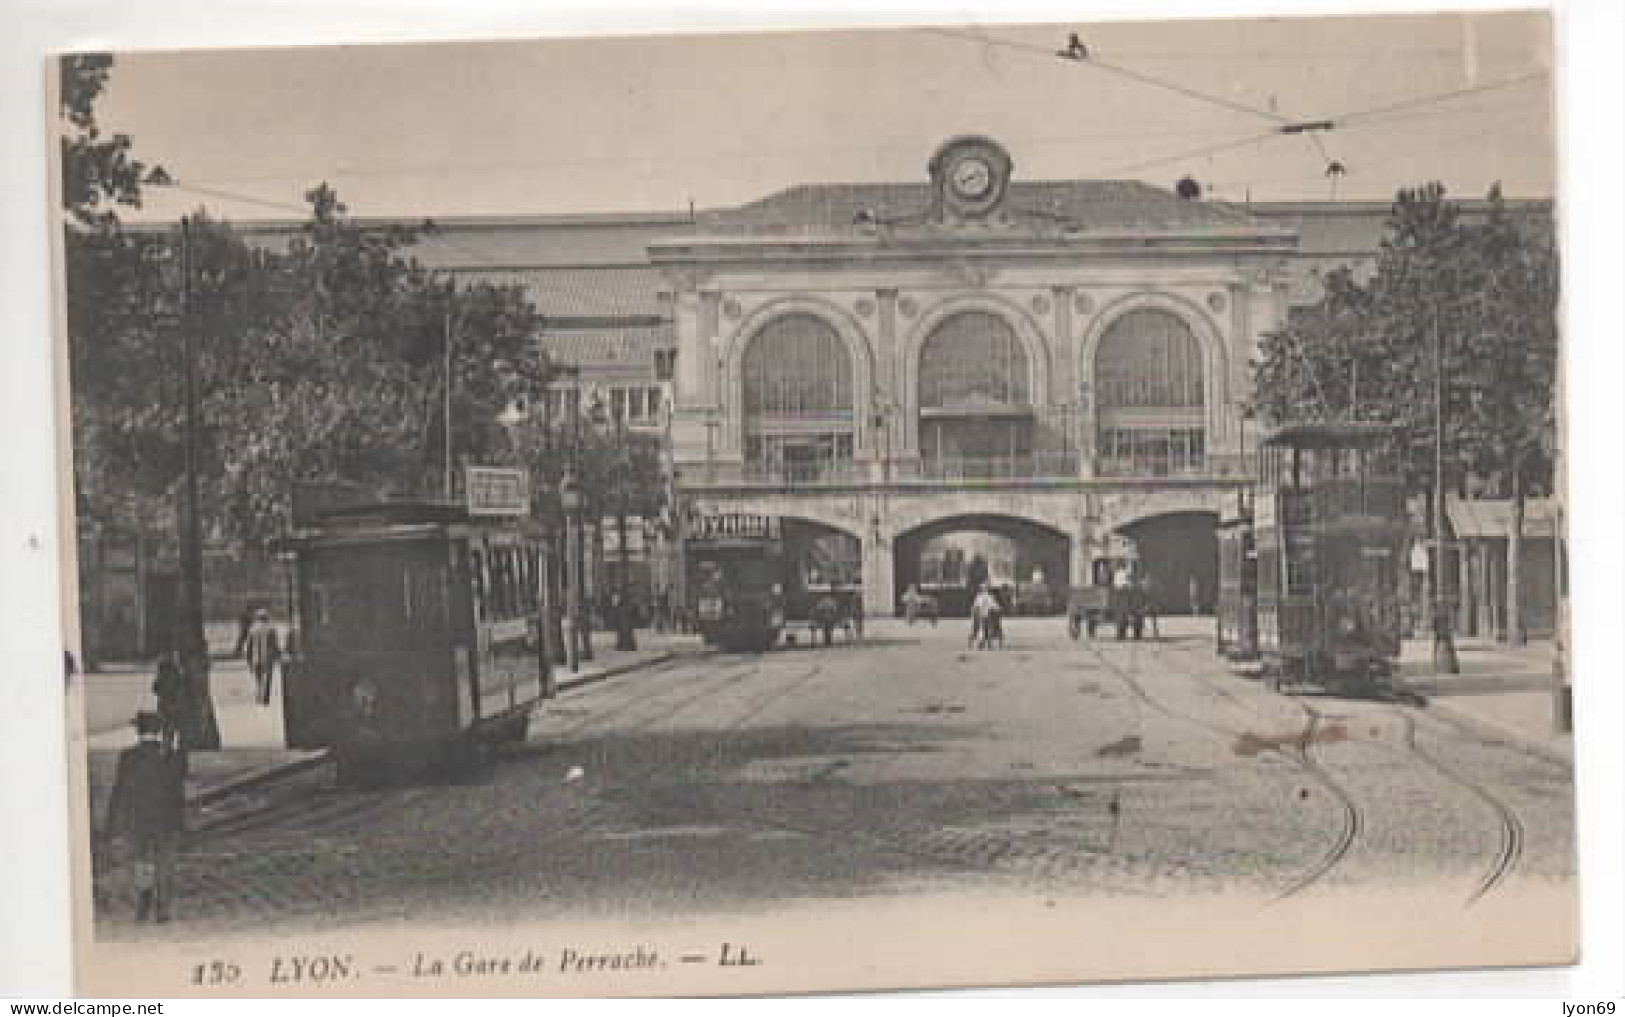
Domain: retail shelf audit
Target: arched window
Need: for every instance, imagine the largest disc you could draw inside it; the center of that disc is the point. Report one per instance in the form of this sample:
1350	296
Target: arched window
973	359
797	400
975	399
1148	381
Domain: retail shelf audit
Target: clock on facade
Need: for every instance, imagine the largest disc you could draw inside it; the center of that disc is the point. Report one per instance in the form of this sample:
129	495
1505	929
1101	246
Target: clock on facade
971	177
971	174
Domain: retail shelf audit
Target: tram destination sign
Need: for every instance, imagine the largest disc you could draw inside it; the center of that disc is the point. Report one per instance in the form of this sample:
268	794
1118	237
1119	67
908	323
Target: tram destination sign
495	491
733	526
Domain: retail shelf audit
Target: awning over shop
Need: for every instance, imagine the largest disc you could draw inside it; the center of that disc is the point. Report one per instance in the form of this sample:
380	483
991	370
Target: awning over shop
1491	518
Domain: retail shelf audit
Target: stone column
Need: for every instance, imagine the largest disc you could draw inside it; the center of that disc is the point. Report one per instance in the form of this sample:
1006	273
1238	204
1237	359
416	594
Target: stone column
1064	386
886	400
878	594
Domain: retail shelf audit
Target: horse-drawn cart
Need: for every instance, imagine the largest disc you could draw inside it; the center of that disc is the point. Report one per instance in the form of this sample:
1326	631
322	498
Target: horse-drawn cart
1090	606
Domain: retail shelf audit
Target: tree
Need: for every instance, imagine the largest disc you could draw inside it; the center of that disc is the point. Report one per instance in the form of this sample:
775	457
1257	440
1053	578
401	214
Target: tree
96	170
1482	297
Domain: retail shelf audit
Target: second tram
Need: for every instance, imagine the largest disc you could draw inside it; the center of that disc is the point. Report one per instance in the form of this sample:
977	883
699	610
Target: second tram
736	572
1330	524
418	636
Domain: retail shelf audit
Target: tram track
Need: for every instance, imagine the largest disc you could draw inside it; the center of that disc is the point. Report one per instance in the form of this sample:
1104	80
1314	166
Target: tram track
1301	755
1511	839
1510	830
1353	818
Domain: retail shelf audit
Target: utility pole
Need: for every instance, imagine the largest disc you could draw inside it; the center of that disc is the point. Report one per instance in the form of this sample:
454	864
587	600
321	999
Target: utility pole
625	639
1444	648
193	643
446	407
580	628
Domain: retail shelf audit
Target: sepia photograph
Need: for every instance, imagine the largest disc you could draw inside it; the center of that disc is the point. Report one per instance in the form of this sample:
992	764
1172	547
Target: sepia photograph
726	513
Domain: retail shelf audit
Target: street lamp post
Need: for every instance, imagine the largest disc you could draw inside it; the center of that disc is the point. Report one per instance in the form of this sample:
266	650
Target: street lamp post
1444	648
580	623
624	637
569	504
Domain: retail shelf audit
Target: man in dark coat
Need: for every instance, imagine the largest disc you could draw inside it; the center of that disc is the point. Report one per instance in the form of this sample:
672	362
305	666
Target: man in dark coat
263	652
147	810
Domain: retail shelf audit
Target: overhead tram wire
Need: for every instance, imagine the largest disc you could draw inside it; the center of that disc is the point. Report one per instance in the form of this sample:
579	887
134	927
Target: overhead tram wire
1310	128
433	236
1096	62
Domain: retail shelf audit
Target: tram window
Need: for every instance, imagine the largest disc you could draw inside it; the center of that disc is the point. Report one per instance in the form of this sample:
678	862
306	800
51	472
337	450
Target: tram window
500	585
476	575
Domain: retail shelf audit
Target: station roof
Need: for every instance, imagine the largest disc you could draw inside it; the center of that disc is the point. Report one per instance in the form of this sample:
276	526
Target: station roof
1105	204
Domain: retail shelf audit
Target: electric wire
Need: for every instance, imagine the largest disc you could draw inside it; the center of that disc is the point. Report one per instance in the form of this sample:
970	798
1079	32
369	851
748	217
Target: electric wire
1138	76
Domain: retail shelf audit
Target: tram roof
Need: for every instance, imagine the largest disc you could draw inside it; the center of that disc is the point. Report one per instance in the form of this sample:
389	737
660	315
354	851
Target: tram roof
1347	434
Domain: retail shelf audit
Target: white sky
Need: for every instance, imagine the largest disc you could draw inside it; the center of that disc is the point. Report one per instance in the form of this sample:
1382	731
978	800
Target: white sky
653	122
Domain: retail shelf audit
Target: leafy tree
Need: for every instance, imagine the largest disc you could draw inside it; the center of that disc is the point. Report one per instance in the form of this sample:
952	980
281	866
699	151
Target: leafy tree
1469	307
96	170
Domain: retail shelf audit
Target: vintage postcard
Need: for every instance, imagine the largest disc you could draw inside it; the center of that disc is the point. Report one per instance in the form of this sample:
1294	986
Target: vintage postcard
779	512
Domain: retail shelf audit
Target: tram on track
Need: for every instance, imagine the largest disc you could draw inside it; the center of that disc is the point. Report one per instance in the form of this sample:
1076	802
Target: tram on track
736	579
419	636
1236	609
1329	525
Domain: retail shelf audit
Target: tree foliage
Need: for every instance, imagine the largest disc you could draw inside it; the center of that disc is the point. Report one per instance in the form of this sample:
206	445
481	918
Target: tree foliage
1478	296
324	359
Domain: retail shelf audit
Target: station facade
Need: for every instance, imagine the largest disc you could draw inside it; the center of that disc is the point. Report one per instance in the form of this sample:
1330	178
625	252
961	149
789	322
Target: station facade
974	365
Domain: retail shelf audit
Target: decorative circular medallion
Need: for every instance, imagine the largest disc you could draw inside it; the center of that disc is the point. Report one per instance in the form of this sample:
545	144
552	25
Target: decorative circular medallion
907	306
866	307
1083	303
732	309
1215	302
1040	304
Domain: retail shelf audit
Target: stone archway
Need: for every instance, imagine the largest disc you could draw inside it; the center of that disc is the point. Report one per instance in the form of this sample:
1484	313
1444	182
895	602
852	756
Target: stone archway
948	556
1179	554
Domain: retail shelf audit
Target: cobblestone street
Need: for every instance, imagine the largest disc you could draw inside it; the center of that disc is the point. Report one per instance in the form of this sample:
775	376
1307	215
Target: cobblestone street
901	765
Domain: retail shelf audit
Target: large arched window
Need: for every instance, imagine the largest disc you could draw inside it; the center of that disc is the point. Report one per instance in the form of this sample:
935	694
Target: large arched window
975	399
1148	380
974	359
797	400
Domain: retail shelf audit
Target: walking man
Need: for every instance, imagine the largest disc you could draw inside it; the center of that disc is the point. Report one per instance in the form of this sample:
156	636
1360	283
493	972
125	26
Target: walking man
263	652
147	811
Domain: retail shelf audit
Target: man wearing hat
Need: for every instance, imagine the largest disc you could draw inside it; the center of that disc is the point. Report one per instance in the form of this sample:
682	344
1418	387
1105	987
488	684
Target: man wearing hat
147	809
262	652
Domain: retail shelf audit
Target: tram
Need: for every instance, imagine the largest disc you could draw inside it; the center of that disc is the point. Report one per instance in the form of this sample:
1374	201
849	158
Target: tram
1329	525
736	573
1236	614
419	638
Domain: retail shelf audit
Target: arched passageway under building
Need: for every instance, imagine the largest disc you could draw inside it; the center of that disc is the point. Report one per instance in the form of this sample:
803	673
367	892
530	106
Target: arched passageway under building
819	559
946	557
1177	549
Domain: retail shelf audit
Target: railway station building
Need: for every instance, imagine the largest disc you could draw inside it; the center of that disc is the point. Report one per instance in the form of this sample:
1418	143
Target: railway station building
918	373
974	365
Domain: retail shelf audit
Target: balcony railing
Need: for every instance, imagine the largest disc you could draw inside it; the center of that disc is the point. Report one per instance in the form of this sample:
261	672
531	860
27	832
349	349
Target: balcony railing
1195	467
804	474
1062	465
1053	466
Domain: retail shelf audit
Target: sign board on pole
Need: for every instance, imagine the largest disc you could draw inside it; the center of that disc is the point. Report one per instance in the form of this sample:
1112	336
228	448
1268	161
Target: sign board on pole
495	491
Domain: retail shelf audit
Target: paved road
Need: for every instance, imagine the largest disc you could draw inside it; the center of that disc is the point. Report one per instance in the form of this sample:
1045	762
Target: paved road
905	764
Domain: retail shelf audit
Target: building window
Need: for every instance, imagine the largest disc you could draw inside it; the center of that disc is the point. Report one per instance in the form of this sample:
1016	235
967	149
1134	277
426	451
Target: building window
1148	380
798	401
975	412
973	359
